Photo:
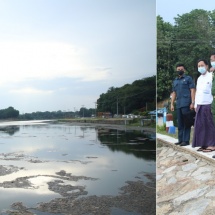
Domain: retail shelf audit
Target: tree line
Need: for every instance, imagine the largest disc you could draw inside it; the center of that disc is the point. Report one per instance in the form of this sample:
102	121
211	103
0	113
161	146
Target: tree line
9	112
83	112
190	38
130	98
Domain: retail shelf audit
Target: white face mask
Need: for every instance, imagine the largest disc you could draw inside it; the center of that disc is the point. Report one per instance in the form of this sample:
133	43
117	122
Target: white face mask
213	64
202	69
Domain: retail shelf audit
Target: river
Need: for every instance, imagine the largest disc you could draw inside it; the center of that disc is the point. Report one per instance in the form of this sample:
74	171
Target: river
42	160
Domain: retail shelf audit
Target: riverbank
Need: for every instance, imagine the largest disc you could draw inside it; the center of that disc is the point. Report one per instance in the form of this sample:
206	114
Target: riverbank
108	123
120	124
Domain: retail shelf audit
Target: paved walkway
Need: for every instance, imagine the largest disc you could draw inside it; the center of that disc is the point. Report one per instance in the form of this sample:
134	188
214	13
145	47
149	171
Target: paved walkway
185	179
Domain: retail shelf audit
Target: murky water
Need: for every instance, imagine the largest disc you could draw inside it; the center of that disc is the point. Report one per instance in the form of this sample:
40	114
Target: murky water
40	150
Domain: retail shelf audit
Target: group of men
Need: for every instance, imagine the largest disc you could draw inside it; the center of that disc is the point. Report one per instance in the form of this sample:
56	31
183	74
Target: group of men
184	93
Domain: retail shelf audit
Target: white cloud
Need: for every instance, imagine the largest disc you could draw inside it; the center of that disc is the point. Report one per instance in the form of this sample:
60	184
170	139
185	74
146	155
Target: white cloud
30	91
98	74
21	61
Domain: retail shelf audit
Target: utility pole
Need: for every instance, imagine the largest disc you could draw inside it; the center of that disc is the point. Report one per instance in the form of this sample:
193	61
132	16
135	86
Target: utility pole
117	106
83	110
124	104
95	108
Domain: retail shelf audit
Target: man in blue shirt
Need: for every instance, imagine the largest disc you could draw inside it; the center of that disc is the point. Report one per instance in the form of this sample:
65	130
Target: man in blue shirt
184	94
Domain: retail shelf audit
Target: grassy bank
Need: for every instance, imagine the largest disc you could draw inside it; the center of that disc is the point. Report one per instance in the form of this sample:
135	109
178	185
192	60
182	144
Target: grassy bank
161	129
135	123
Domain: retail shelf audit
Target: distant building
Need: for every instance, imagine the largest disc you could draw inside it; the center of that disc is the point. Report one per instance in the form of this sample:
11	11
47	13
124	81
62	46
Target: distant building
104	114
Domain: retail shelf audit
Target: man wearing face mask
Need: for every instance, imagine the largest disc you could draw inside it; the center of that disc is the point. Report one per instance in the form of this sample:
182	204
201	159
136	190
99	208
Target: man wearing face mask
204	135
212	69
184	94
212	59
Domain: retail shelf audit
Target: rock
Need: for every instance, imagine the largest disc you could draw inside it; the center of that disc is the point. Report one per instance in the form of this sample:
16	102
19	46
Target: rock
172	180
190	195
189	167
169	169
196	207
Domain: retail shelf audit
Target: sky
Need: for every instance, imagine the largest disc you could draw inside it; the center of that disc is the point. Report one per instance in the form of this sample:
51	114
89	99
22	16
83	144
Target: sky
168	9
63	54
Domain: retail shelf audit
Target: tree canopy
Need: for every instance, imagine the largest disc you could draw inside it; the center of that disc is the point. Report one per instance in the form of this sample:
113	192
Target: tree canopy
191	37
129	97
9	112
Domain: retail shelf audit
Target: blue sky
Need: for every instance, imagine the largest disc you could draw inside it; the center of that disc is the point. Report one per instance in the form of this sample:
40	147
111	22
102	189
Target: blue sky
168	9
62	54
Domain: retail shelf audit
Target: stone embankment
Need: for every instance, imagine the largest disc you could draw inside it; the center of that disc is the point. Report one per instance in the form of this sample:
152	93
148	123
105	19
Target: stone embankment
185	180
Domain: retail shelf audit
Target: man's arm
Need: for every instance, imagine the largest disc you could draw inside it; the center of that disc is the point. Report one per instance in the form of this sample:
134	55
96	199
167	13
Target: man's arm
172	101
192	91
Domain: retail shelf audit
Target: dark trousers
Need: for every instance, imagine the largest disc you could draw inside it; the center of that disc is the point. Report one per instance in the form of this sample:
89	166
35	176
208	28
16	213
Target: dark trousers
183	132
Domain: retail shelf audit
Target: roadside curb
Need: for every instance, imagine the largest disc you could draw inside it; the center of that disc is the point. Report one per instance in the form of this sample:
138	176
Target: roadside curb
193	152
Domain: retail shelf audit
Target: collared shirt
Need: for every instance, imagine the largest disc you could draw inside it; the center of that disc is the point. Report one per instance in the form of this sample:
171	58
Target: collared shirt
203	90
182	87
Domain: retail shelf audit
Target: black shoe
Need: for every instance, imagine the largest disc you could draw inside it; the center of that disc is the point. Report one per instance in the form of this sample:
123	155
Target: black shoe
213	156
185	144
178	143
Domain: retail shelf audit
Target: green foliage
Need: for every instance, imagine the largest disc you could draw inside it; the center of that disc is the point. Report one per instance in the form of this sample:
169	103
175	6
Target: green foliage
144	113
130	97
84	112
166	58
161	128
9	112
192	37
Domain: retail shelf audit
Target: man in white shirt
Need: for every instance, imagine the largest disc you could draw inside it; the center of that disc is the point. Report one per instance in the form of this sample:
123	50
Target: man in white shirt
204	128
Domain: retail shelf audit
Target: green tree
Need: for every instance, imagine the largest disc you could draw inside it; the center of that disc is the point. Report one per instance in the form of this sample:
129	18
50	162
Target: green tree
166	58
129	97
192	37
9	112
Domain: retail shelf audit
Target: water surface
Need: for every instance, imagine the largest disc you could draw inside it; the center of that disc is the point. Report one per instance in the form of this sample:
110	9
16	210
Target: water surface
40	149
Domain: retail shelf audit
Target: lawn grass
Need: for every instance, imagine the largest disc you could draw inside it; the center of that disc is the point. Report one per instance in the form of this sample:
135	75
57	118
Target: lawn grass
161	129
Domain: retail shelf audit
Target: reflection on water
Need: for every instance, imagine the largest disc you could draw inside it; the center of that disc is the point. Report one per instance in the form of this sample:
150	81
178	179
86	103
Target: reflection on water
11	130
40	150
130	142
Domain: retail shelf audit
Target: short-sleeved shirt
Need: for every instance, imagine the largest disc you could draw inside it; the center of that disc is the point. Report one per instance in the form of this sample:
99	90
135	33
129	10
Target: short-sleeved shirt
182	86
203	90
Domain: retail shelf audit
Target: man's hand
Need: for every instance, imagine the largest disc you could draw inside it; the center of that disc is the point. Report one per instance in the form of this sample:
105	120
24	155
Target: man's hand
212	69
172	107
191	106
